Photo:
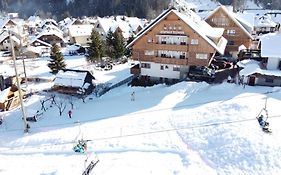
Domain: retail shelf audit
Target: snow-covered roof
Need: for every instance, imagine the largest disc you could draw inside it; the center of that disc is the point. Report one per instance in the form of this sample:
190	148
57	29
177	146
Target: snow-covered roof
212	35
5	35
265	21
246	27
4	94
35	39
80	30
270	45
50	31
70	78
48	21
106	23
4	21
253	67
33	21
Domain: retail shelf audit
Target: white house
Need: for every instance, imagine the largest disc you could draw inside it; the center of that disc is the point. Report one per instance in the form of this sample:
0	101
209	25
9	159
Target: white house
80	34
270	47
264	73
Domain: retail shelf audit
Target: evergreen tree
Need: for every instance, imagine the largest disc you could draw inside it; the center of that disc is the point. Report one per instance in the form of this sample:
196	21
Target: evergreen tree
96	49
109	44
129	50
118	45
56	60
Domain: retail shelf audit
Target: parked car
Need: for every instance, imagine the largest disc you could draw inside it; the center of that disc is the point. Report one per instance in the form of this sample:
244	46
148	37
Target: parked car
201	73
221	64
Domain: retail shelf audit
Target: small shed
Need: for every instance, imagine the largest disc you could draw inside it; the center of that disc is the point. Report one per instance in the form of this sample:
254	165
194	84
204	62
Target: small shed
70	81
9	98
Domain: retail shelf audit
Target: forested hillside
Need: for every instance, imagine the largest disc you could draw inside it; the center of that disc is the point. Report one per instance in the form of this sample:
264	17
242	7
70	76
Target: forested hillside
63	8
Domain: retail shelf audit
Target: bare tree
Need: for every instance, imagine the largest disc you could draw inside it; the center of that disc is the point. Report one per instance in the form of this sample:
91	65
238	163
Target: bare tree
70	100
60	105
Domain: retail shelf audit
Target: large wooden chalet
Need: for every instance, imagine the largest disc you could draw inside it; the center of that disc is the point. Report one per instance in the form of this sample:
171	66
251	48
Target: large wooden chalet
173	42
237	32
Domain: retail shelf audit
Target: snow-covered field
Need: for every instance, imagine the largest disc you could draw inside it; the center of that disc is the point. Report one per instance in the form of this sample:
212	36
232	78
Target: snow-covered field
188	128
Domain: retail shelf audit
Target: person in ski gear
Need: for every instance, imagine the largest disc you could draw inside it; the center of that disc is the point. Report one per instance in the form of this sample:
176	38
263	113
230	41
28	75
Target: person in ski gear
81	147
69	113
1	120
263	124
229	79
133	96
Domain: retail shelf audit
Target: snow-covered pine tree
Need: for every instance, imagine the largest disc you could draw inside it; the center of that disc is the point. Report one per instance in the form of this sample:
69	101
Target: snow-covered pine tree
56	60
96	49
109	44
119	45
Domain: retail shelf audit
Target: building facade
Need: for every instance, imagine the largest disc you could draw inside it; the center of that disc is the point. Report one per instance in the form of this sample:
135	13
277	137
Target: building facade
237	32
173	42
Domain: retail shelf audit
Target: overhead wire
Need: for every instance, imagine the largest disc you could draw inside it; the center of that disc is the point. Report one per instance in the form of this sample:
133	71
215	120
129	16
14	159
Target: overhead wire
140	133
146	112
148	132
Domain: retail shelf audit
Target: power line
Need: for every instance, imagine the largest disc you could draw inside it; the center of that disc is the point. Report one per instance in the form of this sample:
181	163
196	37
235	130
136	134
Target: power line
143	133
148	111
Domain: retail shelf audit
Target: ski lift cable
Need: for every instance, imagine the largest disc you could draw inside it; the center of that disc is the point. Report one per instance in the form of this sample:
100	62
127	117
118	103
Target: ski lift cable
137	134
148	111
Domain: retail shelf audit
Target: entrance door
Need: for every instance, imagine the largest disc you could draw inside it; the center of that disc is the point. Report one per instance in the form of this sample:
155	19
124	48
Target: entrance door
252	80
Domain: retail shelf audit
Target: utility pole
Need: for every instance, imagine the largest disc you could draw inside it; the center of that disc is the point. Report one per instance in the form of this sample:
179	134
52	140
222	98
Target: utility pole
26	126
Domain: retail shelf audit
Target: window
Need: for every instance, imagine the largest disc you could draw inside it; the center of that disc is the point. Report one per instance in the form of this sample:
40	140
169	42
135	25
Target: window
176	68
166	67
269	80
148	52
230	32
201	56
149	39
194	42
221	21
161	67
145	65
230	43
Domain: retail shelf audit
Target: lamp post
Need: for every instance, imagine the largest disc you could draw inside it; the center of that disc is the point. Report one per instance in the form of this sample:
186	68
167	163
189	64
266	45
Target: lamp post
26	126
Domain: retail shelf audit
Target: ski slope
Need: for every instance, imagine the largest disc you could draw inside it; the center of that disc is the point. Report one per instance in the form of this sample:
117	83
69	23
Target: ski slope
188	128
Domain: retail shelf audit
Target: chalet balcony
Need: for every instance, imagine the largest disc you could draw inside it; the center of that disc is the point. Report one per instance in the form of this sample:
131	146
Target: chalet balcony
173	47
168	60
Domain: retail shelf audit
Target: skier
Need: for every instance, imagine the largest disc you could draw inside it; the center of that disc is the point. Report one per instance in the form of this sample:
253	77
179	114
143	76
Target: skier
229	79
69	113
1	120
133	96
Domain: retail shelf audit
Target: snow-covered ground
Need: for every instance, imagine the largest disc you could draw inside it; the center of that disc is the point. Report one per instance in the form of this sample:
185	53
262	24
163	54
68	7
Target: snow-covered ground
188	128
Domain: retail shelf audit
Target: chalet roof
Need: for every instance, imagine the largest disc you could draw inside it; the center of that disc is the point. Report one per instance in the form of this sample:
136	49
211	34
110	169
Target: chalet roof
4	94
50	31
270	45
105	23
265	21
4	21
212	35
71	78
5	35
34	39
48	21
252	67
80	30
245	26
